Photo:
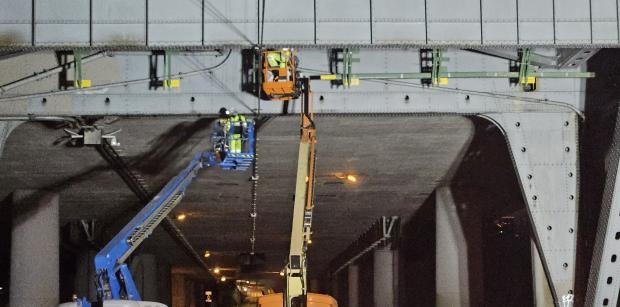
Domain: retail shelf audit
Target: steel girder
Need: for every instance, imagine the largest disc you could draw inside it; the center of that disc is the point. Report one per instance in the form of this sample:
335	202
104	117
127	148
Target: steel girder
115	91
198	23
545	152
604	279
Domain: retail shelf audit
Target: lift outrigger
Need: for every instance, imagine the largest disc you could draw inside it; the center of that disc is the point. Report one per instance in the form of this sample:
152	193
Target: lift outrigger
115	285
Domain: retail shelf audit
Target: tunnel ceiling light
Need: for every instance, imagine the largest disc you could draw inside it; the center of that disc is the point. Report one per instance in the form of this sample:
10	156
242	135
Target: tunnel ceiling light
207	254
216	270
351	178
181	217
309	241
281	273
223	279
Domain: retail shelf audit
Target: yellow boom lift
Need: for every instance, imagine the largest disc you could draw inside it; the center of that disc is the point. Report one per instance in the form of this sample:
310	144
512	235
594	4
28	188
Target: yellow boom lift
296	294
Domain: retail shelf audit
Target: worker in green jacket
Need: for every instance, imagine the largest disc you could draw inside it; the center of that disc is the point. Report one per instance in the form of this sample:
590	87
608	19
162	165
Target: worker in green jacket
275	59
239	126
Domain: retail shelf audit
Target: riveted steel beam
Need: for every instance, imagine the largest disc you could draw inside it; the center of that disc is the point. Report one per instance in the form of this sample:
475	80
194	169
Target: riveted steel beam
545	153
604	280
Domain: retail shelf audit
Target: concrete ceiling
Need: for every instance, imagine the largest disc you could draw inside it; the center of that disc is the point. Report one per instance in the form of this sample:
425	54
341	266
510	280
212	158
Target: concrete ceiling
398	161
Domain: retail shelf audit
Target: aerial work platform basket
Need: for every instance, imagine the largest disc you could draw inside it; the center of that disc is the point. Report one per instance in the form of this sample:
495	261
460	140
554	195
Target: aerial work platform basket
227	159
280	74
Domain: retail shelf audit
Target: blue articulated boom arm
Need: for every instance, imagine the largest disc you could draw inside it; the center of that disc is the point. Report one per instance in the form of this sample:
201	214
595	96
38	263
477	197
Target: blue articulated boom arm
114	280
113	277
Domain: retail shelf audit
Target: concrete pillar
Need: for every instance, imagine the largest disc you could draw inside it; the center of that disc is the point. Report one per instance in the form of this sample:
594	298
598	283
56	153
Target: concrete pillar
178	290
144	272
334	285
354	284
164	283
541	291
84	283
190	293
34	249
383	277
452	277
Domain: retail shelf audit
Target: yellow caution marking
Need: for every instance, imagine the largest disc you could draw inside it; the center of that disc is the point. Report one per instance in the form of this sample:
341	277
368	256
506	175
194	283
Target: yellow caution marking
328	77
81	83
443	81
355	81
174	83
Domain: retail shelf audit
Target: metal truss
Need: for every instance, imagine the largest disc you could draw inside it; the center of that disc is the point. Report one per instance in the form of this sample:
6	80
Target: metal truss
545	152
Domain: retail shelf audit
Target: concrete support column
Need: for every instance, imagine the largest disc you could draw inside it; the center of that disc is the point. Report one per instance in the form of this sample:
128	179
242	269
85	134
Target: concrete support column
541	291
84	283
334	285
383	277
178	290
164	283
452	277
34	249
190	293
354	284
144	271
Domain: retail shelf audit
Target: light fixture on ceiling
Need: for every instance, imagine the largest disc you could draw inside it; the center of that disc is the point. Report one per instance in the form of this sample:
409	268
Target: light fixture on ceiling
181	217
223	279
309	241
207	254
281	273
346	177
216	270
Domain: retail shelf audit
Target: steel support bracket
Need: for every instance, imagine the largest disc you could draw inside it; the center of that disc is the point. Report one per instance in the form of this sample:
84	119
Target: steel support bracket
78	81
545	152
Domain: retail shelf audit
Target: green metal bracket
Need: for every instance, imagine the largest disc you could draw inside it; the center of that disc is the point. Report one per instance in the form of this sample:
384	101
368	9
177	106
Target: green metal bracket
168	81
437	68
347	66
78	82
526	79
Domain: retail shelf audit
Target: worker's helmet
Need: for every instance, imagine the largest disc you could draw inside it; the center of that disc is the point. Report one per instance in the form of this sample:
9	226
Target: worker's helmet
224	112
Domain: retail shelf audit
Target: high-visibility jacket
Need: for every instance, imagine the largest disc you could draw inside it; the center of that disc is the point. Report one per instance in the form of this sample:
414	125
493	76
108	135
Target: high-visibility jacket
238	121
238	125
275	60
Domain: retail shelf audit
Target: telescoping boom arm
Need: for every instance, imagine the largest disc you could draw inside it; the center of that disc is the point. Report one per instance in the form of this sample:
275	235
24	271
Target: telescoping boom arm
296	286
114	280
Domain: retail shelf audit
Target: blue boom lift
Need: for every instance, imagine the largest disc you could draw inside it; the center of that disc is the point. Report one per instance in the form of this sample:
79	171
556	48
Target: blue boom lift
115	285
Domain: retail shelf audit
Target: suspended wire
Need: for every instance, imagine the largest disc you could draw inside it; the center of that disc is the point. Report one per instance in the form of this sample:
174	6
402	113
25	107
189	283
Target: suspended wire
262	25
255	176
